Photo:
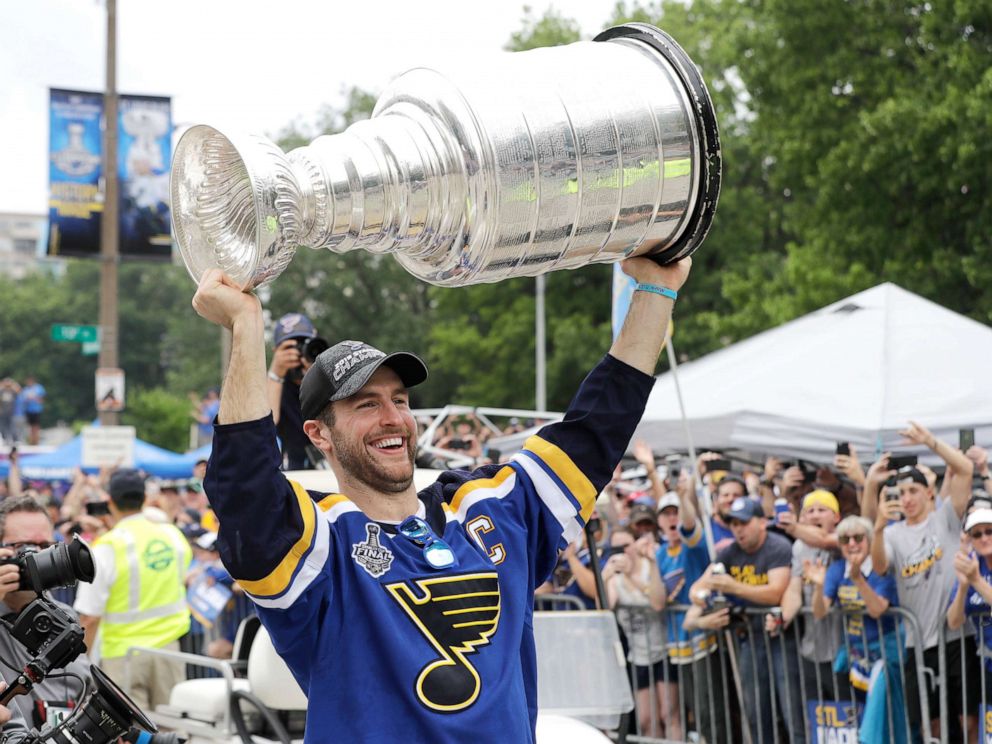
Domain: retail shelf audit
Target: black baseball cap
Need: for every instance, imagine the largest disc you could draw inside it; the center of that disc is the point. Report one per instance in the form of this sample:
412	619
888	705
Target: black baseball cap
342	370
909	473
126	482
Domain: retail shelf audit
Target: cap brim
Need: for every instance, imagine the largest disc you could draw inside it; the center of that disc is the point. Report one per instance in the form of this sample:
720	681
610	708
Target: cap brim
411	370
977	517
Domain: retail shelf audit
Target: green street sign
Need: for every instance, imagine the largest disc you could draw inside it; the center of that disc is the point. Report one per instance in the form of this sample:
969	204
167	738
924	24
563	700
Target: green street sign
75	333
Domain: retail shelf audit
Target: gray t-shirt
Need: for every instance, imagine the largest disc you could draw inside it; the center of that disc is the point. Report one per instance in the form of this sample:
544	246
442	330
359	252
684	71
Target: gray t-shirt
821	639
922	559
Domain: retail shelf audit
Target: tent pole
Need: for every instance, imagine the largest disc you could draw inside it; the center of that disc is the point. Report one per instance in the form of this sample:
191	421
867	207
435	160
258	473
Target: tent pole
704	505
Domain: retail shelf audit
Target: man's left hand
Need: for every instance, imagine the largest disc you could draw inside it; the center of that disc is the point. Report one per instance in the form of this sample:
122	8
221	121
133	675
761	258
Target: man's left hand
646	271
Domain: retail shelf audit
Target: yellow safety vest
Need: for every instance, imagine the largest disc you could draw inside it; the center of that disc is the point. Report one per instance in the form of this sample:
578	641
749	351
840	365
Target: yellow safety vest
147	602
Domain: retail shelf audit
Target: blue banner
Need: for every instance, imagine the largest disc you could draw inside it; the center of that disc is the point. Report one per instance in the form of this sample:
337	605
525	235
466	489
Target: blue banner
833	722
144	150
75	203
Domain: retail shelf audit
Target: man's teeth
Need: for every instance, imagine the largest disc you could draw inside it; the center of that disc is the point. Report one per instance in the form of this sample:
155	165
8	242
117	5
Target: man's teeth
394	442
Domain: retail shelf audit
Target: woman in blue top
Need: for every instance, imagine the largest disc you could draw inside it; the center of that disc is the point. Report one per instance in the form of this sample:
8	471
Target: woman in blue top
972	595
872	653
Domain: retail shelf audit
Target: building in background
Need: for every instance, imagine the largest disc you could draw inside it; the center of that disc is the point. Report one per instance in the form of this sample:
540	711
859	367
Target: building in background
22	245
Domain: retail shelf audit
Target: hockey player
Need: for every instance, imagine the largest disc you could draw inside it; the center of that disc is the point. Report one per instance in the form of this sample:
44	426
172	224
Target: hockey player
406	616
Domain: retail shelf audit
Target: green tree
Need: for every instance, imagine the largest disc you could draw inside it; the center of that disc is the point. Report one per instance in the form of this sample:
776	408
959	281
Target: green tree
850	158
162	343
160	418
483	335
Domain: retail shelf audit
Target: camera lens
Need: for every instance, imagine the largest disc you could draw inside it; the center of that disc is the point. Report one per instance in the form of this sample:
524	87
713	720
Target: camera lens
104	716
59	565
314	347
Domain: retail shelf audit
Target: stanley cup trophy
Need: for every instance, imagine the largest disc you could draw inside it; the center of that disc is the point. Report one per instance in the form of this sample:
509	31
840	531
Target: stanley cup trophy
552	159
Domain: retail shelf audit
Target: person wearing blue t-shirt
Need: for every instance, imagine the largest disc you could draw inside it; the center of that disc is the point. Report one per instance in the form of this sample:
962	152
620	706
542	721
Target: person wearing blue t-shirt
682	558
33	400
972	594
873	649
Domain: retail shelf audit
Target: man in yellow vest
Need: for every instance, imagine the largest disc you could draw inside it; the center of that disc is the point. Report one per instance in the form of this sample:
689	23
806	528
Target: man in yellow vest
138	597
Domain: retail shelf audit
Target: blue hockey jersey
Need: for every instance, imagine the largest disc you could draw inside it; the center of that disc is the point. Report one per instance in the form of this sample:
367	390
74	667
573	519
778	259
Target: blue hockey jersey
386	647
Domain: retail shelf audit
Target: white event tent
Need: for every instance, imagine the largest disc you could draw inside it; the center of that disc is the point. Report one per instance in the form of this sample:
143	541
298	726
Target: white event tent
857	370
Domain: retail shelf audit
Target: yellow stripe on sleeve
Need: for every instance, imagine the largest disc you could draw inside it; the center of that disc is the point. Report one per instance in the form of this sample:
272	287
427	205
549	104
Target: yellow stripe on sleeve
697	535
562	465
330	501
466	488
281	576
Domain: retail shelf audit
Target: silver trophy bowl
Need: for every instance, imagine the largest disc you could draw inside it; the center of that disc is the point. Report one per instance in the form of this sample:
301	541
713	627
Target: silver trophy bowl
551	159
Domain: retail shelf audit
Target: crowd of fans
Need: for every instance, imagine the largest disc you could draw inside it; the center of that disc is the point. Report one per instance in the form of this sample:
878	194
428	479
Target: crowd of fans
790	542
700	558
83	508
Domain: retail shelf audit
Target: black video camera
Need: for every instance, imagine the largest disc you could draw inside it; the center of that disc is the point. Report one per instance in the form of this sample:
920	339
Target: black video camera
310	349
60	565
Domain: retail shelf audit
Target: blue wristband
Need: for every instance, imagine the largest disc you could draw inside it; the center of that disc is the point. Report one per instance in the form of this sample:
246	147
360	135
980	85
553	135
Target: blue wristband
655	289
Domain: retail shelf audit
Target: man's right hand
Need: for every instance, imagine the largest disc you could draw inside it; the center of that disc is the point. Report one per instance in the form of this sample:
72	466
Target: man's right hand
879	471
714	620
219	300
888	511
286	357
10	575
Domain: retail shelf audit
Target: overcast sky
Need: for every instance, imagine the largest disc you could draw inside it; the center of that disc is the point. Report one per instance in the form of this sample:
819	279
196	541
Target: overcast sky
252	64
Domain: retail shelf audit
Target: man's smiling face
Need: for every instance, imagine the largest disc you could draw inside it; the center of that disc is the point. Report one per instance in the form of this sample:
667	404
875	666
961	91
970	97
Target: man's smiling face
374	434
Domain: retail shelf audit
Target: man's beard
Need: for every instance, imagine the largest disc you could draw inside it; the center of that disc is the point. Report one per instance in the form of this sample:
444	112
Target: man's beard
358	463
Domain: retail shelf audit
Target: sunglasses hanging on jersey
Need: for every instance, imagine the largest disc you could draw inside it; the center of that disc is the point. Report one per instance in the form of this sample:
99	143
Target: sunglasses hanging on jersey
436	551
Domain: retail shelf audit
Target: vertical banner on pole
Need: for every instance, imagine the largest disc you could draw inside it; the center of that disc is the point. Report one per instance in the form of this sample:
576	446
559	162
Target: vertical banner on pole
75	202
623	290
144	150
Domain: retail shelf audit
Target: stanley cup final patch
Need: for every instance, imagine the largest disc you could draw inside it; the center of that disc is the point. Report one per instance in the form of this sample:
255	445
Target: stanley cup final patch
372	555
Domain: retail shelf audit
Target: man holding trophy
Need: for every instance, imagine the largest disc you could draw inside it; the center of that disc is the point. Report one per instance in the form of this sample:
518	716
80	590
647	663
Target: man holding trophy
405	615
386	601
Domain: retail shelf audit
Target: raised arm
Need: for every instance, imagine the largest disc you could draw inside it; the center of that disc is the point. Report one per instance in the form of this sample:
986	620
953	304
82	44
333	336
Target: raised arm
244	394
957	463
645	456
643	334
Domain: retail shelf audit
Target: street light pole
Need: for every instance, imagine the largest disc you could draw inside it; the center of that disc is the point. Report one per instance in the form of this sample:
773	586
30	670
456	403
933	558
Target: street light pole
541	394
109	231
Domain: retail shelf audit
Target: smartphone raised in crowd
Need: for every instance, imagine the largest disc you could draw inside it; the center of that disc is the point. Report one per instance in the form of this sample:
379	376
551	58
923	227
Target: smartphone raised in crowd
897	462
843	448
714	465
97	508
966	439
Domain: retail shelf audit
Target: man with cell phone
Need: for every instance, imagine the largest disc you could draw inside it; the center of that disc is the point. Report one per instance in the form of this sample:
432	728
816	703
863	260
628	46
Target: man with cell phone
920	549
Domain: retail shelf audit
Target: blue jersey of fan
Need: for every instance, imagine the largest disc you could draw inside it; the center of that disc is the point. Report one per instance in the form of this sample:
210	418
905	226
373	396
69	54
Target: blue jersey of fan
387	647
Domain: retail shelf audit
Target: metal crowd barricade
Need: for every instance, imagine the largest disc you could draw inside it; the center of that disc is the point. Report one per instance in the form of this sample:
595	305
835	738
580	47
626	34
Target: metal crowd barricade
745	684
198	641
974	702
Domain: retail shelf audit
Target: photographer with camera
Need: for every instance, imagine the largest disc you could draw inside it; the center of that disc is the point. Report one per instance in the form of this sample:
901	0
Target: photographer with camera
25	526
296	346
139	594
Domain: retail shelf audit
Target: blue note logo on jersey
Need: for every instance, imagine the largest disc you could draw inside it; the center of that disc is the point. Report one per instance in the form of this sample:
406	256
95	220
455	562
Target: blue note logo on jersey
457	615
371	554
